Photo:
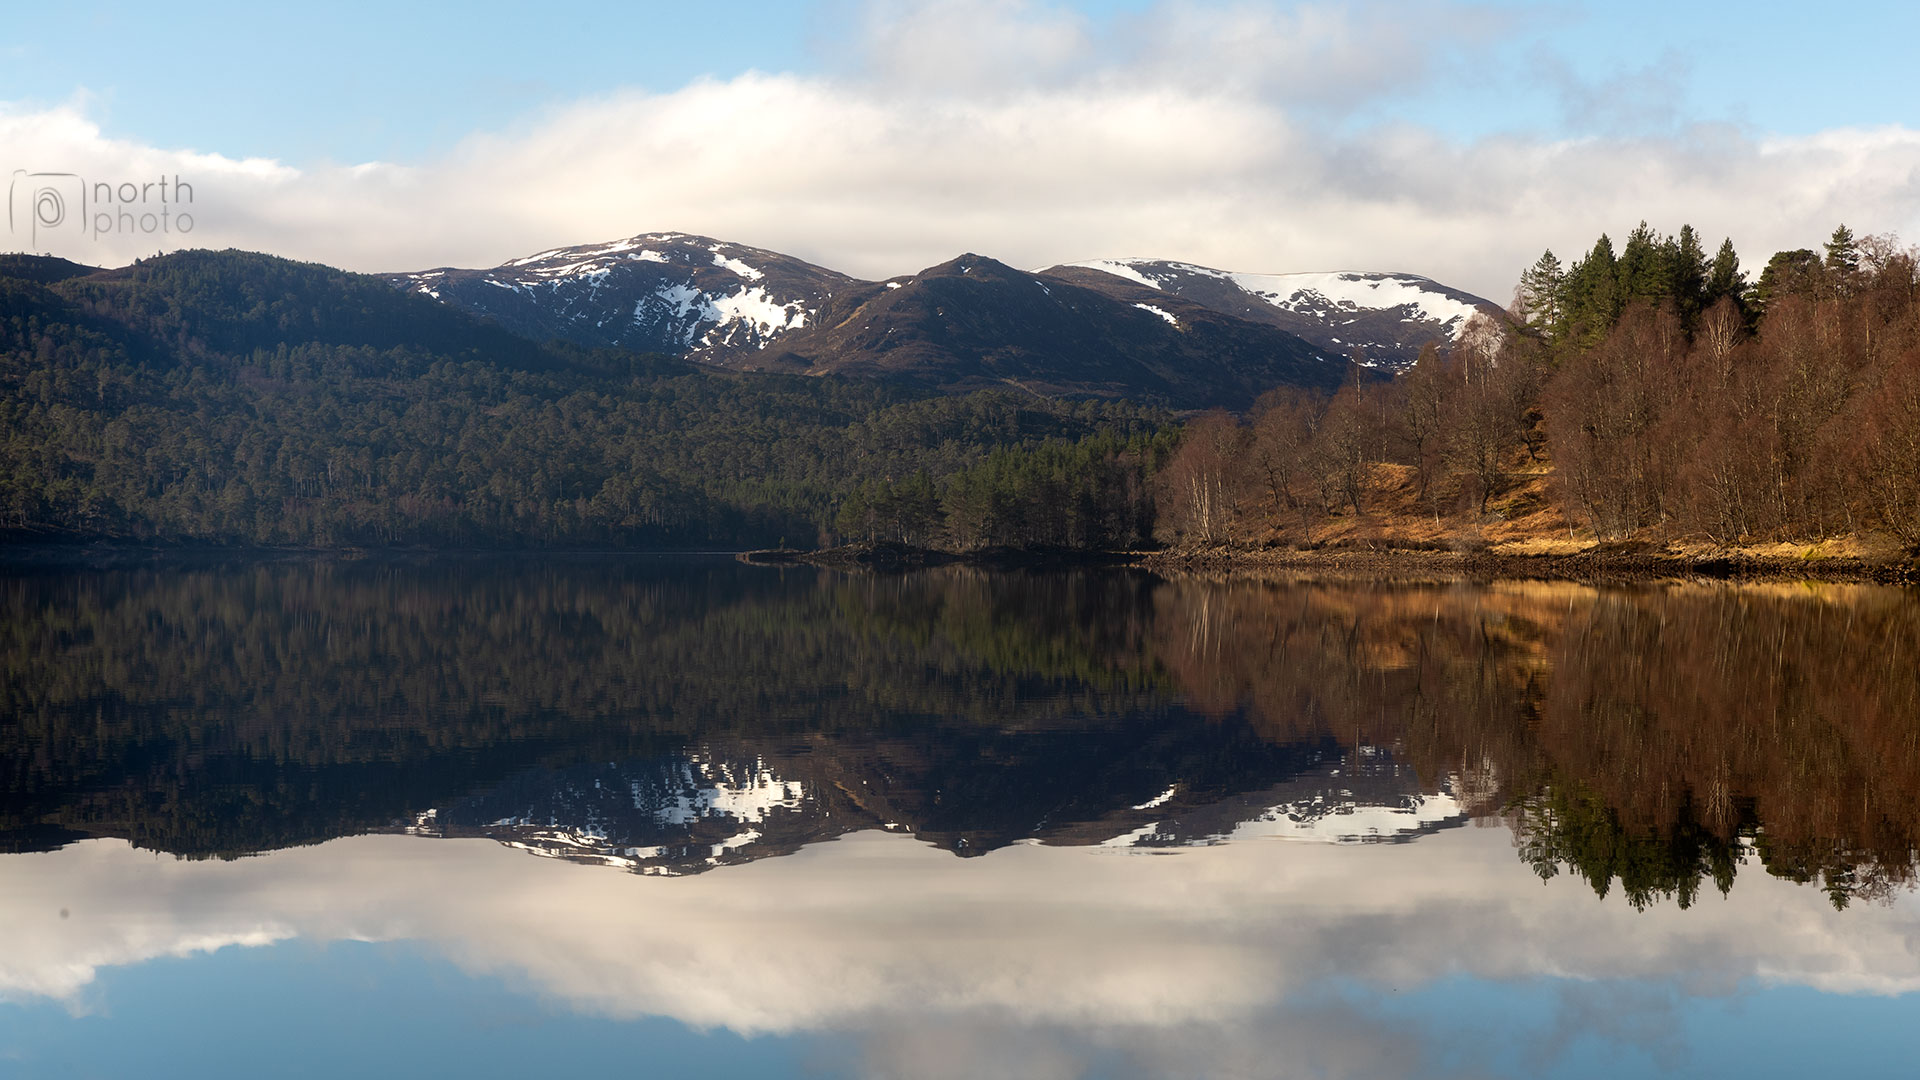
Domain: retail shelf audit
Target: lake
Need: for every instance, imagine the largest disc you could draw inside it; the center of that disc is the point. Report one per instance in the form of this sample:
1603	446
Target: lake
502	817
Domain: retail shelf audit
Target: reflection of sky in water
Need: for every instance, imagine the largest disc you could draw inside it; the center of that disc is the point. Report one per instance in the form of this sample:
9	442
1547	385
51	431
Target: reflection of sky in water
1130	787
878	955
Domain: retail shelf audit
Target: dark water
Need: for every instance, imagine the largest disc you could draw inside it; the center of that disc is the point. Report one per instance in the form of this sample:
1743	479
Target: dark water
477	817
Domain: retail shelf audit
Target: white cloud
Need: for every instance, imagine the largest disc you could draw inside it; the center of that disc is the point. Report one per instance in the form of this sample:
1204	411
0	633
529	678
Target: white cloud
1209	134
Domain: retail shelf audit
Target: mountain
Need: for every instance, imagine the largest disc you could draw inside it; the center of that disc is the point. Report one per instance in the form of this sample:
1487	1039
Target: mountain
229	397
965	324
668	293
191	306
1377	319
975	322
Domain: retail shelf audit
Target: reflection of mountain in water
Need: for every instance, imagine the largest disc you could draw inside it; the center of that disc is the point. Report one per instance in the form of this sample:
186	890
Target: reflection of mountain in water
682	714
674	815
689	813
1367	797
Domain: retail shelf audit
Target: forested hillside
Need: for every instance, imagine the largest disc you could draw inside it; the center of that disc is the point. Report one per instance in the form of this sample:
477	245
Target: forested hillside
241	399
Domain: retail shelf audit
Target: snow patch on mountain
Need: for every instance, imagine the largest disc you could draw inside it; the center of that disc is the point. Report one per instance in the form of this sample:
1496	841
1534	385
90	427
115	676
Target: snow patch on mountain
1120	268
1162	312
720	259
744	317
1325	295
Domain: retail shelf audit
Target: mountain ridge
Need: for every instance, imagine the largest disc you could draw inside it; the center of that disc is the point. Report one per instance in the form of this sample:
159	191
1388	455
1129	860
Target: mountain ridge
742	307
973	322
1374	318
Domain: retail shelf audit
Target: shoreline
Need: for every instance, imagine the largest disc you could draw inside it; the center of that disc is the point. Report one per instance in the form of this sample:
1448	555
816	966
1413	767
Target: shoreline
1381	563
1584	566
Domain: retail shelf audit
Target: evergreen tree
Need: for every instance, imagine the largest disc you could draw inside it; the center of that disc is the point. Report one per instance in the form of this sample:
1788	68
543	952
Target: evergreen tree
1789	273
1843	261
1687	277
1724	277
1540	301
1592	295
1643	272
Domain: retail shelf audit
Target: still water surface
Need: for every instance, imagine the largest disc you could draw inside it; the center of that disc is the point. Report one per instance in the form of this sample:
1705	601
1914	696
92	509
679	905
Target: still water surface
475	817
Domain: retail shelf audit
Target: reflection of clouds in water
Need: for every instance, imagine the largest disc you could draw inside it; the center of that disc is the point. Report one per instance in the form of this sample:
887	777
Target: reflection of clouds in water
1330	1040
1051	957
1627	1013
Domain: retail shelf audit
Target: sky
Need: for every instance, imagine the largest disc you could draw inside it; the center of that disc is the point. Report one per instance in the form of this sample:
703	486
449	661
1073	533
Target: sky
1452	139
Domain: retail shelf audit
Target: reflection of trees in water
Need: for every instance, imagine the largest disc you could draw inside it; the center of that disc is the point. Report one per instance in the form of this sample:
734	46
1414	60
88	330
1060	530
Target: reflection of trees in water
1643	735
238	707
1566	825
1648	738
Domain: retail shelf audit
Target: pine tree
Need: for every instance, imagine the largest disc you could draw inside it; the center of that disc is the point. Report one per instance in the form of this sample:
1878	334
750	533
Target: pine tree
1843	261
1643	268
1592	295
1843	252
1724	277
1687	277
1788	273
1540	301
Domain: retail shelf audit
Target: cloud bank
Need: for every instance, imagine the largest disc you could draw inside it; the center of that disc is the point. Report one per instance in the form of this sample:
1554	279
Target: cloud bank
1228	135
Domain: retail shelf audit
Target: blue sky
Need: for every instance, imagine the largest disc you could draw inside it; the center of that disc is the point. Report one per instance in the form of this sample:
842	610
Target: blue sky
349	83
881	137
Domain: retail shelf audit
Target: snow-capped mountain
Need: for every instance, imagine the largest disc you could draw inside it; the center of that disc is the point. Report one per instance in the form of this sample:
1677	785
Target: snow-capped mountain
668	293
967	323
974	321
1183	335
1378	319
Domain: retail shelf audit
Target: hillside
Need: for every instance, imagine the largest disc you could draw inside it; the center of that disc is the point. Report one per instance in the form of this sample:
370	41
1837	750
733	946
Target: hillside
1649	406
233	398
